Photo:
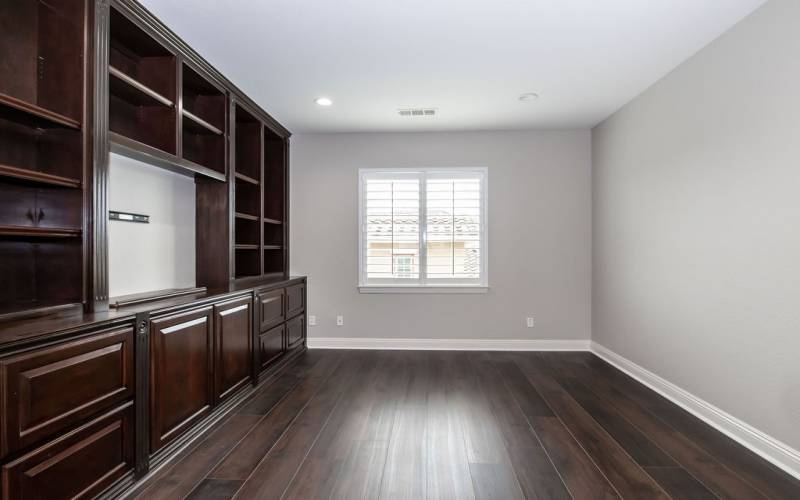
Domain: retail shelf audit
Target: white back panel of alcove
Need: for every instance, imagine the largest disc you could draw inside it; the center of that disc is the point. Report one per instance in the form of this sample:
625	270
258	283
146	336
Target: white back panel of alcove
158	255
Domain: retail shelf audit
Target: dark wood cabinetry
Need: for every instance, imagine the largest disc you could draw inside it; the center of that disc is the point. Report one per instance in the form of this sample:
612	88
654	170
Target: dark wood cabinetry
52	389
181	373
233	325
94	391
295	332
142	82
79	464
272	345
295	300
43	154
271	308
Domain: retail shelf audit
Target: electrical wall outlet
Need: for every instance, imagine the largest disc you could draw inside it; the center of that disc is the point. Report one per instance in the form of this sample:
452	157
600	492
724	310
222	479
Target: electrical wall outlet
529	322
312	321
339	320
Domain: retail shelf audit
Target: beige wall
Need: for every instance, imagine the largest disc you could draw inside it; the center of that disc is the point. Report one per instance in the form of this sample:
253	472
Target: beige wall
697	224
539	235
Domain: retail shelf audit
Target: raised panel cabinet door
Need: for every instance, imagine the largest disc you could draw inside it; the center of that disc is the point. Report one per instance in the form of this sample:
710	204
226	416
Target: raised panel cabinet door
181	373
295	332
234	343
79	464
272	345
295	300
270	309
48	390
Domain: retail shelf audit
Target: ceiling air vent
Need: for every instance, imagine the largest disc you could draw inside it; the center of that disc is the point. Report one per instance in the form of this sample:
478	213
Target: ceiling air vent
416	112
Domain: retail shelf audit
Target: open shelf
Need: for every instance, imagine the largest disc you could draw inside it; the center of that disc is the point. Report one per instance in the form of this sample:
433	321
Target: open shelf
39	232
273	235
274	175
50	156
148	154
273	260
32	115
133	91
239	215
245	178
40	272
271	221
42	90
23	174
197	125
204	114
42	54
247	262
142	86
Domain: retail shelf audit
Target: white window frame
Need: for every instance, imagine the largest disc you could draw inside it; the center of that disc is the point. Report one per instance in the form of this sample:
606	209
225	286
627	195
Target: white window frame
423	284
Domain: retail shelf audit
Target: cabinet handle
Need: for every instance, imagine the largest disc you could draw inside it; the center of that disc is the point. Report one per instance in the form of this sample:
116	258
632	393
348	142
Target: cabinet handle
30	216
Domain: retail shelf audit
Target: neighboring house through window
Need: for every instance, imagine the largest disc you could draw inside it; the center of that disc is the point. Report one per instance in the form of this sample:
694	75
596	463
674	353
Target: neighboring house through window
422	229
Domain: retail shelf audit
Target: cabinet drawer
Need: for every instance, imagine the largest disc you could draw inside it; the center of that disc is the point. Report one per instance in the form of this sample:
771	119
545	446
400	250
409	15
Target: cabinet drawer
272	345
79	464
295	300
270	309
295	331
51	389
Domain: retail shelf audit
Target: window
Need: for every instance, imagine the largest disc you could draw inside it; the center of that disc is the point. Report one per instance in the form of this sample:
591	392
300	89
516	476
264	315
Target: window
422	229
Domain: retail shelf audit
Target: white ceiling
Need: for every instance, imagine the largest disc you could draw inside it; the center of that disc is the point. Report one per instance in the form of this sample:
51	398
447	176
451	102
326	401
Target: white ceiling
471	59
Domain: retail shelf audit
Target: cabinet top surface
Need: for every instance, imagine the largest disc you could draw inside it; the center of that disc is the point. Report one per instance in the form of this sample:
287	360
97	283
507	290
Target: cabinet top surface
19	332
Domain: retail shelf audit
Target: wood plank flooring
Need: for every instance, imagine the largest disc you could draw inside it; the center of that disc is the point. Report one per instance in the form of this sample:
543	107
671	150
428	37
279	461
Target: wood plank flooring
463	425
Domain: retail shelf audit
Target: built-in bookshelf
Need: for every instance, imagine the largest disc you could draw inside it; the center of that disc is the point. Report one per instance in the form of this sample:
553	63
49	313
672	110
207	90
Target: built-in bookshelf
247	193
166	107
42	154
142	87
259	194
274	203
203	115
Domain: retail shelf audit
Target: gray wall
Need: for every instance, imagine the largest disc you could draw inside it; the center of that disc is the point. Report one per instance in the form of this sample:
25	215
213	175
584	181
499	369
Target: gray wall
155	256
539	235
697	224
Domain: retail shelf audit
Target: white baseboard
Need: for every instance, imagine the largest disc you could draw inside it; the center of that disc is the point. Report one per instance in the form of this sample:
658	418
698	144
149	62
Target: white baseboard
769	448
448	344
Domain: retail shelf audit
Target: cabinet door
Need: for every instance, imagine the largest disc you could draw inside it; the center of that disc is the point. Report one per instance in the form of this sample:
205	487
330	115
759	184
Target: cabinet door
48	390
295	300
181	367
272	345
234	344
295	331
270	309
79	464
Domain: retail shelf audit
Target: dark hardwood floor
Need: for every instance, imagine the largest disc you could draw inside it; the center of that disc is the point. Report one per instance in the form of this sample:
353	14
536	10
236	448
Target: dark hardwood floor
460	425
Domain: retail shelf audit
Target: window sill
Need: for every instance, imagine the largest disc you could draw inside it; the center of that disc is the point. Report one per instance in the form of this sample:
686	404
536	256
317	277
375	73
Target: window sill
449	289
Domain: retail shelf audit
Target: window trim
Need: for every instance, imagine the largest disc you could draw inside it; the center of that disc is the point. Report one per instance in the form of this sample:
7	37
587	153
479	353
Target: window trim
423	284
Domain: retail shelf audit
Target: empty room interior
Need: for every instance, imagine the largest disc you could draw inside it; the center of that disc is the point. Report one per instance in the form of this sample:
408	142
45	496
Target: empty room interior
417	249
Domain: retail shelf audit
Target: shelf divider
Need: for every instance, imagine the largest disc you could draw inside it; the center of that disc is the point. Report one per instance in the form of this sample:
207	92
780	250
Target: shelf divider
39	232
37	113
204	125
246	178
240	215
38	177
146	94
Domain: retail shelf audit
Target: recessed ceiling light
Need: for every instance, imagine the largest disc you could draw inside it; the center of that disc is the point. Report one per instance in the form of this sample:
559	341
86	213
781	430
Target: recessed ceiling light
323	101
528	97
